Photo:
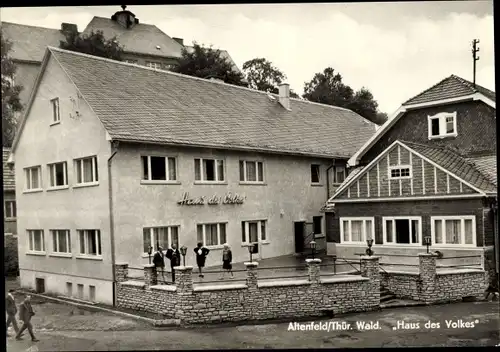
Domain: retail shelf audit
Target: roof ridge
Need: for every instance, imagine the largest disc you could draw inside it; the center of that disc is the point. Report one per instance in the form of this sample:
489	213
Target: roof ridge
29	25
470	85
428	89
51	48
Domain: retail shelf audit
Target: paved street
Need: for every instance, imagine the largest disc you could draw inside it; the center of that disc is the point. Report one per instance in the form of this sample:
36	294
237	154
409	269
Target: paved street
97	331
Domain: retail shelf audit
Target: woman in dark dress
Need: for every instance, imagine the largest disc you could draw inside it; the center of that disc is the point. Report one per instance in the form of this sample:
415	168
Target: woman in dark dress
201	256
227	258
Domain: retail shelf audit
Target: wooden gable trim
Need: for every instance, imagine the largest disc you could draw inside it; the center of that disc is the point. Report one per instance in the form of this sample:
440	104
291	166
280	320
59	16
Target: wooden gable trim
424	159
436	167
402	199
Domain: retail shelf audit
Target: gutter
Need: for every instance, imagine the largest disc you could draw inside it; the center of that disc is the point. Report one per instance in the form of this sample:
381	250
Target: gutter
114	148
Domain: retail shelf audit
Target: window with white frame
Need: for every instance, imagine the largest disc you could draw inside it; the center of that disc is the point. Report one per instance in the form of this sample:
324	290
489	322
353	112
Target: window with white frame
315	173
209	170
56	116
251	171
159	168
442	125
357	230
339	174
211	234
33	177
58	174
61	241
86	170
9	209
36	241
253	231
400	172
453	230
402	230
90	242
163	236
153	64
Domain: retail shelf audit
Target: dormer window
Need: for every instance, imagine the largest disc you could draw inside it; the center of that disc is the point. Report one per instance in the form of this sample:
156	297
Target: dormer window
56	116
442	125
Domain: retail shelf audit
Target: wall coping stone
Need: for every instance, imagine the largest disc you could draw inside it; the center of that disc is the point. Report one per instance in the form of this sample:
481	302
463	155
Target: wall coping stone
251	264
134	283
367	257
149	266
222	287
183	268
427	255
460	271
121	263
170	288
400	272
333	280
310	260
284	283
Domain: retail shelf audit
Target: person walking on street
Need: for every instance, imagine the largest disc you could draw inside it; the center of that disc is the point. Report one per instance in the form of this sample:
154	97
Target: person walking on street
25	314
227	258
159	262
201	256
175	259
11	309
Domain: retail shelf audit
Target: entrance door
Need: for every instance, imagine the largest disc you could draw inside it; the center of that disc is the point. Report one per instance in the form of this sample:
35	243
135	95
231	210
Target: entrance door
299	236
256	234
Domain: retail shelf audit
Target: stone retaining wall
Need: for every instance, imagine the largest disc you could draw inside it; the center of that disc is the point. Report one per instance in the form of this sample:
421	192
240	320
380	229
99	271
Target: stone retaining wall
253	300
431	286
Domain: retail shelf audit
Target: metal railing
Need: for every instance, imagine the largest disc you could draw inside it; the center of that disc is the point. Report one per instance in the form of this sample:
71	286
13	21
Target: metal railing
465	265
135	273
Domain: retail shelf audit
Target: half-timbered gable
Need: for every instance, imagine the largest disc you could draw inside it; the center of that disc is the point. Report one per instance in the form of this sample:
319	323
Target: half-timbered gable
407	169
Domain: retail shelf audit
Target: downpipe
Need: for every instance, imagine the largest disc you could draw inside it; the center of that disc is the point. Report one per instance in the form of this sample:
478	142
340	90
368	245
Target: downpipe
114	148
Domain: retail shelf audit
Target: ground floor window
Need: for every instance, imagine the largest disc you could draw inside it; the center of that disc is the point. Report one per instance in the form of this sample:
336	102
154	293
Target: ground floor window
402	230
61	241
10	209
253	231
90	242
356	230
453	230
163	236
36	241
211	234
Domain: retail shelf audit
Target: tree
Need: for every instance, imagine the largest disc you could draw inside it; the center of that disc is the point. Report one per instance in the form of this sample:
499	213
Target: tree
206	62
327	88
262	75
11	104
93	44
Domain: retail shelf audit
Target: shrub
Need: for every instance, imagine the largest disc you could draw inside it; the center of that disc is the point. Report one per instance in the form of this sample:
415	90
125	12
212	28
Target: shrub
11	260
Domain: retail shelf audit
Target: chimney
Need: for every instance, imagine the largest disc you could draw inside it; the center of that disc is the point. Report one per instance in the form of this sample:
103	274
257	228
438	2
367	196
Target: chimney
69	28
179	40
284	95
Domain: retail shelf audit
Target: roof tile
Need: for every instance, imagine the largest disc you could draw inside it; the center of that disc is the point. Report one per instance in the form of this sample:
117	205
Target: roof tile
450	87
141	104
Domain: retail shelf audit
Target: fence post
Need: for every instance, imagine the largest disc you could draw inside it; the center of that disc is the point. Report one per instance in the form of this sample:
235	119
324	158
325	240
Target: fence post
252	275
427	268
184	279
314	270
150	275
121	272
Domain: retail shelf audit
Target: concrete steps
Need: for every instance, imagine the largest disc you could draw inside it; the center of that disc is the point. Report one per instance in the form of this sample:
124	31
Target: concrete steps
386	296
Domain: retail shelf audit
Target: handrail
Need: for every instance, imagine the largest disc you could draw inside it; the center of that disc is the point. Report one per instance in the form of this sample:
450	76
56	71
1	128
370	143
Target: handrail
381	267
464	256
390	255
282	277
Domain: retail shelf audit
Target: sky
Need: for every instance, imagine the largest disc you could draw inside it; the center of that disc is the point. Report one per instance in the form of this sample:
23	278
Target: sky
395	49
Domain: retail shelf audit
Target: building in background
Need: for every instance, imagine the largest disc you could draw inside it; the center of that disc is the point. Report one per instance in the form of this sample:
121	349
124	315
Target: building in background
9	196
144	44
429	171
112	158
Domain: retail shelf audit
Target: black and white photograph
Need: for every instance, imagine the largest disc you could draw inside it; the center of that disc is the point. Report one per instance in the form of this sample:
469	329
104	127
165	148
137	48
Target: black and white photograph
235	176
